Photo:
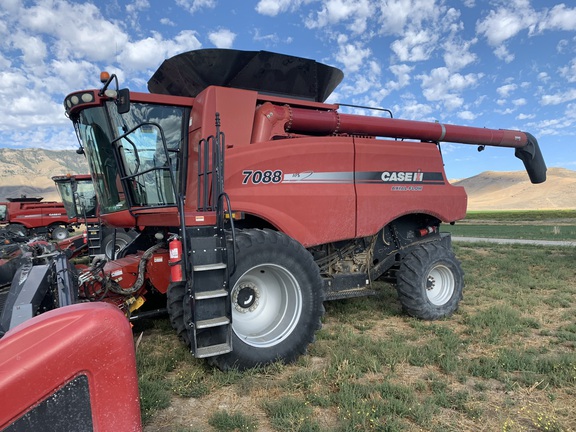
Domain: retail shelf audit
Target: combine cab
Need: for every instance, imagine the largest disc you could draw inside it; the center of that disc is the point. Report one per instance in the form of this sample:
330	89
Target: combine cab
256	201
79	199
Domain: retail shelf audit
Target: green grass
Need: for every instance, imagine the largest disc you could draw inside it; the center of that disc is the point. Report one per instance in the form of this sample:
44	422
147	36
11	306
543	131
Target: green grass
521	215
517	224
515	231
505	361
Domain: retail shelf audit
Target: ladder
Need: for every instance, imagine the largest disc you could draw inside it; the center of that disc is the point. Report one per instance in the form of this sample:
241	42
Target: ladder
94	239
208	295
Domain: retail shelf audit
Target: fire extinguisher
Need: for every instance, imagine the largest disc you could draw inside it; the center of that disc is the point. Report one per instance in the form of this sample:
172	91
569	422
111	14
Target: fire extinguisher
175	259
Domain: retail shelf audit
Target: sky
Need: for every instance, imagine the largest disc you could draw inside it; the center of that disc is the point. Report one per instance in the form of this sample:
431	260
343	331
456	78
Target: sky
500	64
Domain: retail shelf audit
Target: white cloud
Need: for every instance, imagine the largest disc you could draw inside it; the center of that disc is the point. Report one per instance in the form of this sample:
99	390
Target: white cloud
544	77
505	90
150	52
569	71
559	98
505	23
559	17
167	21
467	115
33	48
332	12
519	102
395	16
193	6
222	38
457	55
351	55
444	86
402	74
79	32
503	54
137	5
415	46
275	7
411	109
523	116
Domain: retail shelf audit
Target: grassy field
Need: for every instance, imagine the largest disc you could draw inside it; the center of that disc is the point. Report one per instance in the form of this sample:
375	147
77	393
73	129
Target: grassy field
530	225
506	361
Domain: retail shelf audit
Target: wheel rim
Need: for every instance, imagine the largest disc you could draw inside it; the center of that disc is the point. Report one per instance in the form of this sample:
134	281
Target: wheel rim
111	250
266	305
440	285
59	234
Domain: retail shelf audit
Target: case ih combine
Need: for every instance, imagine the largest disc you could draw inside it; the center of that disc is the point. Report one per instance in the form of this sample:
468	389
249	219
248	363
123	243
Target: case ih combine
27	216
255	201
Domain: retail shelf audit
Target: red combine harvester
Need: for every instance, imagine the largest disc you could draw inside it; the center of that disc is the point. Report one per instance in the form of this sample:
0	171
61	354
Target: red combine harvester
250	232
27	216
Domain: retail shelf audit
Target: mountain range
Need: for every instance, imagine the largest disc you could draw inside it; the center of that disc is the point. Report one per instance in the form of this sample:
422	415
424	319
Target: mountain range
29	172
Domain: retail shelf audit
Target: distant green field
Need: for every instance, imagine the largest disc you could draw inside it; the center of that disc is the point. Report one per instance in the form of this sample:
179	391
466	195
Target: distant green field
521	215
525	232
521	224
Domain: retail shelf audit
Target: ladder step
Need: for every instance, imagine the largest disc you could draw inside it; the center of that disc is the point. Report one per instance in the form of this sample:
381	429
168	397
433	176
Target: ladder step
208	267
213	322
210	294
213	350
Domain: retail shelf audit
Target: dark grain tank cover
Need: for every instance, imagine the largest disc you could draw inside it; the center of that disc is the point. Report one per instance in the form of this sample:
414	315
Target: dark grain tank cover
189	73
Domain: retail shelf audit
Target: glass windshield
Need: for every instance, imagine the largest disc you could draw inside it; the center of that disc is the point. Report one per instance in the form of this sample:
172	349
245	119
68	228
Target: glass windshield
85	198
65	189
94	131
145	142
2	212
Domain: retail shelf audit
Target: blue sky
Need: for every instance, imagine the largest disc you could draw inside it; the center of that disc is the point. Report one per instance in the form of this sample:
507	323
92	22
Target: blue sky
502	64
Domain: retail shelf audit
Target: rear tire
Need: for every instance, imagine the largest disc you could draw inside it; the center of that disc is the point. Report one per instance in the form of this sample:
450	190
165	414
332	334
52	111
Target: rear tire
429	282
276	296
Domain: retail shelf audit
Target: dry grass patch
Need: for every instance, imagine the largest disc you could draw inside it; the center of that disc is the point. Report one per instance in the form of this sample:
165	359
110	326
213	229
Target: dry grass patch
505	361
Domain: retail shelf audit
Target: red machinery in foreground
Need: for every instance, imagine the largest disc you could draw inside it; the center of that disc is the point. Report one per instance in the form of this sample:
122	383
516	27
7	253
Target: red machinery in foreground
247	234
71	369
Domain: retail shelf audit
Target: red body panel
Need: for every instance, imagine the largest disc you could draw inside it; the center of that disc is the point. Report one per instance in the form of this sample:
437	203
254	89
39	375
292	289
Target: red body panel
158	270
48	351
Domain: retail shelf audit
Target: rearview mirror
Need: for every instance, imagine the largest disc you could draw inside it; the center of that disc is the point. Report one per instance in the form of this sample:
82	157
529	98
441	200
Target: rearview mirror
123	101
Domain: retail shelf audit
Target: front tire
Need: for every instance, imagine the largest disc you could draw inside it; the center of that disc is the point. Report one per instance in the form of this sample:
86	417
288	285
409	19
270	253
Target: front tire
110	248
17	229
59	233
276	301
175	307
430	282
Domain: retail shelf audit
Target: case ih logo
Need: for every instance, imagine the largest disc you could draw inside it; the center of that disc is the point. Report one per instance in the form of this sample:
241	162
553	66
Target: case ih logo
402	176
